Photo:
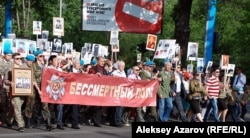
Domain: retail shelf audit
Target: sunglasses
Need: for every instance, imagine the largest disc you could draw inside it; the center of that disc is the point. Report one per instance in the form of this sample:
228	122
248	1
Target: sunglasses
18	58
41	55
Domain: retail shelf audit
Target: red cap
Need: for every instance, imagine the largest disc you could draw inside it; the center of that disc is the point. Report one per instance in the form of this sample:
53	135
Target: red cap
186	75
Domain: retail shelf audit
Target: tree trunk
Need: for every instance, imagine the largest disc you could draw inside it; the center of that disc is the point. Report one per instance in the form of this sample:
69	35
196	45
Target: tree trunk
18	21
28	18
24	16
181	18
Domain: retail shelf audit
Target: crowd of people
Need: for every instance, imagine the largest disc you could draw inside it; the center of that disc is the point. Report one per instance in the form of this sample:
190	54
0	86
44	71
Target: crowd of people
191	97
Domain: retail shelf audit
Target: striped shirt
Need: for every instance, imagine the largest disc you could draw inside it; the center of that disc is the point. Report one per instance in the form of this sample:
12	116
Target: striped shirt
213	87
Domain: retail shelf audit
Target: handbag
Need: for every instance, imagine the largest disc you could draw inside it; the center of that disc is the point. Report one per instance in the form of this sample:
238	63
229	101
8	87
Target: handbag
196	97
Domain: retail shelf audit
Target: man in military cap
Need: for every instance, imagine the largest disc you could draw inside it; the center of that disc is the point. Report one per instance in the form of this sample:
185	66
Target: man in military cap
147	74
43	108
30	100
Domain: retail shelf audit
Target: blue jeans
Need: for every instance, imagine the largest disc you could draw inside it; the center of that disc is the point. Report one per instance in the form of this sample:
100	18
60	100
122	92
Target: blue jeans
118	114
177	100
212	104
165	108
237	106
59	108
237	109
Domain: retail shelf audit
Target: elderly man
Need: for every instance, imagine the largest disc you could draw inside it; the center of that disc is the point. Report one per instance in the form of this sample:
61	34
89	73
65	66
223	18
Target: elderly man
119	72
72	110
165	92
95	111
139	116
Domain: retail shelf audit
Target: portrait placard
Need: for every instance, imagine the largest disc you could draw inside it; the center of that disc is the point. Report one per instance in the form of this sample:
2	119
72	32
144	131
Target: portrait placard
22	78
200	65
138	58
58	26
21	47
115	47
192	52
162	48
209	67
151	42
230	70
190	67
224	61
45	34
7	44
37	27
114	37
57	45
41	44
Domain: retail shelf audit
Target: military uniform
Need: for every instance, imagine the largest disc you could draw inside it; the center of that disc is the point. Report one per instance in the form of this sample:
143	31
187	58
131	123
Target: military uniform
196	92
145	75
5	89
17	102
43	107
29	102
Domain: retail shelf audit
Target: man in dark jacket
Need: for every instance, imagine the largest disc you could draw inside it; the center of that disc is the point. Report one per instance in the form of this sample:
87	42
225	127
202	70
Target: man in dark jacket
96	111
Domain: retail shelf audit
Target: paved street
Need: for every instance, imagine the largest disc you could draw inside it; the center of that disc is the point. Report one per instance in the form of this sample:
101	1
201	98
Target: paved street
85	131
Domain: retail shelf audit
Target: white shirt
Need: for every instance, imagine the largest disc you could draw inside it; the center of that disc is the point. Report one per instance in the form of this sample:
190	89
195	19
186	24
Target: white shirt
186	85
177	82
119	73
74	70
241	82
53	67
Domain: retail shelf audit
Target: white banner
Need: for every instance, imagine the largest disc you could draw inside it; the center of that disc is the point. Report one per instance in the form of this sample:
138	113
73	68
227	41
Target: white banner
140	16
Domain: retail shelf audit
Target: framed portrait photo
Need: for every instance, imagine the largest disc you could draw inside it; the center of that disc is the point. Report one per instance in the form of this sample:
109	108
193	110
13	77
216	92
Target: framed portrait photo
37	27
7	44
209	66
151	42
224	61
192	52
45	34
230	70
57	45
23	83
115	47
88	47
114	37
58	26
83	52
200	65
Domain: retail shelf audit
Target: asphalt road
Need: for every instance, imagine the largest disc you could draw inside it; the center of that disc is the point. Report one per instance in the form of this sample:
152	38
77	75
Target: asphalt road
85	131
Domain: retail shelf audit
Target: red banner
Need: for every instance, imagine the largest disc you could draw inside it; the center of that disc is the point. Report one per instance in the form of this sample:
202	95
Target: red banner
91	89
